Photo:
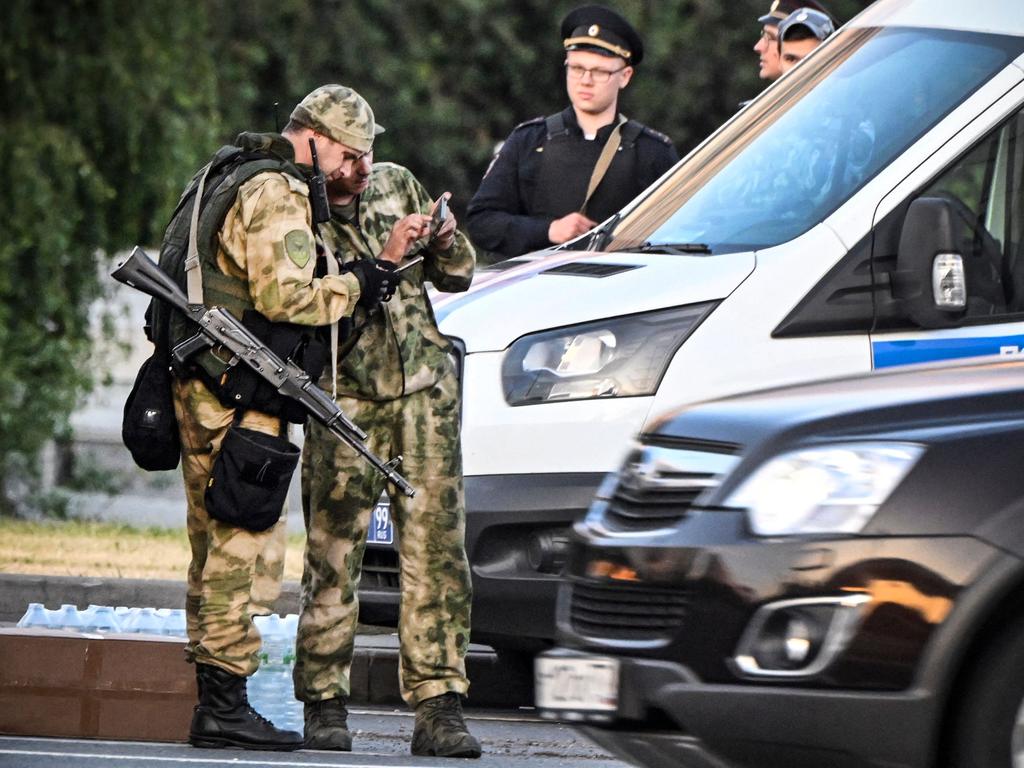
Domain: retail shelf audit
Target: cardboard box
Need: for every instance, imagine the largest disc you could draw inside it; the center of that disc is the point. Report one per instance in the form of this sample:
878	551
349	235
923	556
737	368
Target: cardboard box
58	683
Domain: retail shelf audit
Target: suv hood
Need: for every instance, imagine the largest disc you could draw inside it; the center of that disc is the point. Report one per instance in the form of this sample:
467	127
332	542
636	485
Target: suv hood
551	290
917	395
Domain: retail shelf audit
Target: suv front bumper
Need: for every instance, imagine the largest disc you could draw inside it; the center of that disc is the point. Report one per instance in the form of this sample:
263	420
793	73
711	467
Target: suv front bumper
517	529
668	718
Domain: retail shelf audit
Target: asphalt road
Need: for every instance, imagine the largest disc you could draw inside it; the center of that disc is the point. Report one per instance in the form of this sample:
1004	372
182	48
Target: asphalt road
510	740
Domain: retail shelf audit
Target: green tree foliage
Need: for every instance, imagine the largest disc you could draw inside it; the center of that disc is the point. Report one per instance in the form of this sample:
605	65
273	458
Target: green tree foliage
451	79
105	105
110	106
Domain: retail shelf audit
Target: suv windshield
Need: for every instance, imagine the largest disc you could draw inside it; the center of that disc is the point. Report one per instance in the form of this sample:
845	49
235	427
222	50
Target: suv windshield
786	163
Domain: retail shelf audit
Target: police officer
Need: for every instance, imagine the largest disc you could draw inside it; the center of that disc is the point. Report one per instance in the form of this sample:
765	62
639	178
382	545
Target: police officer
767	46
256	254
395	378
553	178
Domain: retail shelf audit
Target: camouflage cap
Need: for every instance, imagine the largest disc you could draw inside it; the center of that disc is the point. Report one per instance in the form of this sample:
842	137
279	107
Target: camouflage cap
340	114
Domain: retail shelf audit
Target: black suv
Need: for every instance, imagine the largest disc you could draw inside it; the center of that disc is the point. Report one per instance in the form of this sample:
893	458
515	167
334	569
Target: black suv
827	575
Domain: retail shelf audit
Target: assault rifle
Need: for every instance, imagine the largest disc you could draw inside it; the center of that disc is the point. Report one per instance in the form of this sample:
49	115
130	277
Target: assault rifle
218	327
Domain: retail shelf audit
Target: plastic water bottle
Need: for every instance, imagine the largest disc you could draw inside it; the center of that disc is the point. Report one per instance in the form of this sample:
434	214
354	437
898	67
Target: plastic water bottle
291	626
293	707
36	616
270	689
100	618
173	621
142	621
67	618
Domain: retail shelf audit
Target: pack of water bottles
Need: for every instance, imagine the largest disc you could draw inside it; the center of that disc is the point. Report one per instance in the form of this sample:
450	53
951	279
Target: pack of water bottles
270	690
105	619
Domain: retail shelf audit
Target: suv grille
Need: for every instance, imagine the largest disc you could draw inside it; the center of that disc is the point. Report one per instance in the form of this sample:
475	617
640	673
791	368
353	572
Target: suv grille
638	506
658	484
623	611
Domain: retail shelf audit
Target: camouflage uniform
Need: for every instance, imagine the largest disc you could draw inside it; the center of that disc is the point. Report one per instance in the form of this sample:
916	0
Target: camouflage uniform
398	384
266	244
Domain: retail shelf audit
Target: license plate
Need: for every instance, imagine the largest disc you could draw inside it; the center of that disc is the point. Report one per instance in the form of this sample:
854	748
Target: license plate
582	684
382	530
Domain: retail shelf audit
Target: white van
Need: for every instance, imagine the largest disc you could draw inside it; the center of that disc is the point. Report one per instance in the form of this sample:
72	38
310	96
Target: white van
866	211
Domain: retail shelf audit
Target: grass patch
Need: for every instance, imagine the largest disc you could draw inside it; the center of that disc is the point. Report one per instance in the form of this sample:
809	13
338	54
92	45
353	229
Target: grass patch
81	548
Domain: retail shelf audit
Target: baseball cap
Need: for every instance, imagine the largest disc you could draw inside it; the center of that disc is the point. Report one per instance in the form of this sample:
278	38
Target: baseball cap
816	22
780	9
340	114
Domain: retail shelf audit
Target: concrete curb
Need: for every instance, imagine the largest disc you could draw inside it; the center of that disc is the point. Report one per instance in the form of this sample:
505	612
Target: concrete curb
374	674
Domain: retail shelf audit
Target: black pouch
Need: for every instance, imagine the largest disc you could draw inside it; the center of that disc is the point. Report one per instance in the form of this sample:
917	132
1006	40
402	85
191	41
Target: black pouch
149	429
250	477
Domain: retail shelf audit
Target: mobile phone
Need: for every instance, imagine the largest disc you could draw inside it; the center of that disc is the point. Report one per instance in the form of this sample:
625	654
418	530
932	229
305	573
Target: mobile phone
440	214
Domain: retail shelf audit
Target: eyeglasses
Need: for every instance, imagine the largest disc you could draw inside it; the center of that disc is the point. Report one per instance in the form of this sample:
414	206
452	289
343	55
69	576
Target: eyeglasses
771	35
598	75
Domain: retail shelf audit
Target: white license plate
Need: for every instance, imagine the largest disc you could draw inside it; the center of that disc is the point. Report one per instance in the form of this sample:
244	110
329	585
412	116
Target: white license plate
382	530
583	684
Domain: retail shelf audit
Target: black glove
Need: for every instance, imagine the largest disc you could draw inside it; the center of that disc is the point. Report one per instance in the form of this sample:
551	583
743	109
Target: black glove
377	281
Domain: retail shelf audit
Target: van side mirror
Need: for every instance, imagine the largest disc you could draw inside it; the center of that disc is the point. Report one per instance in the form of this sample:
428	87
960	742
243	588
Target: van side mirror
930	282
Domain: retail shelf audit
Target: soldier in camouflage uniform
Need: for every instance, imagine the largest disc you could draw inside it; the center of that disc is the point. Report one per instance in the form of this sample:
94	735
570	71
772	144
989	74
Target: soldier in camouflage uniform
260	256
398	382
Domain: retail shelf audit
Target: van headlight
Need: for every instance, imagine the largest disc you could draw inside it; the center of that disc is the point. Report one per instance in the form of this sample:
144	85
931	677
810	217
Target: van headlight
828	489
617	357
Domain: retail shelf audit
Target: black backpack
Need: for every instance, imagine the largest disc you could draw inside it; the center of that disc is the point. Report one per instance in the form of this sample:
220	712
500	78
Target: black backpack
149	427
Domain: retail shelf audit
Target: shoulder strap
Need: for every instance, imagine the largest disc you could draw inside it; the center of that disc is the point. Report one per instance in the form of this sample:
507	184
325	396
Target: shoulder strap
213	208
193	272
631	132
555	125
601	167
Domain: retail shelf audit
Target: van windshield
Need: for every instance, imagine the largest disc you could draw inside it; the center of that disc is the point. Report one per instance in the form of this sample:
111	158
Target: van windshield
786	163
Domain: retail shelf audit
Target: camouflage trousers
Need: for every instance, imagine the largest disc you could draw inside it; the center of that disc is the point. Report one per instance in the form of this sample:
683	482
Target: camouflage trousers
339	493
234	574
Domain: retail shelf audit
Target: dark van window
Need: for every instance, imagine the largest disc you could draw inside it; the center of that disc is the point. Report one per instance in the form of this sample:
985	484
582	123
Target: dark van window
985	187
785	164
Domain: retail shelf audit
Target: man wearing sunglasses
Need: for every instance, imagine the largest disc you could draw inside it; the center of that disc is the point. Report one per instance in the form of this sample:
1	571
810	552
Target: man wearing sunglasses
556	177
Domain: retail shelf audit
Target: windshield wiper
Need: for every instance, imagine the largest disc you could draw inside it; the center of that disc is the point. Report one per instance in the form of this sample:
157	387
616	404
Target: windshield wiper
599	237
678	249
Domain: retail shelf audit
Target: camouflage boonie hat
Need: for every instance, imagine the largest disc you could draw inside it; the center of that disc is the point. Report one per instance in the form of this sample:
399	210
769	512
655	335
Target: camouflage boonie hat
340	114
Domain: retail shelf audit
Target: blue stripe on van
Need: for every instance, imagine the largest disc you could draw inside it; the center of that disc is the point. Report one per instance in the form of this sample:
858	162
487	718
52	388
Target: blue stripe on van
890	353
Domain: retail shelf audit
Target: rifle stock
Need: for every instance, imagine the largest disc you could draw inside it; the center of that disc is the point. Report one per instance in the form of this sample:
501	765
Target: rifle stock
217	326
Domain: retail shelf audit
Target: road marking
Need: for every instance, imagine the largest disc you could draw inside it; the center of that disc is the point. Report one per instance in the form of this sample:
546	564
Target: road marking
203	760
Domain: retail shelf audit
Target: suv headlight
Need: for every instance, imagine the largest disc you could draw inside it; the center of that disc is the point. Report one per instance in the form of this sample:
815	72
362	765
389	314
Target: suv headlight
828	489
616	357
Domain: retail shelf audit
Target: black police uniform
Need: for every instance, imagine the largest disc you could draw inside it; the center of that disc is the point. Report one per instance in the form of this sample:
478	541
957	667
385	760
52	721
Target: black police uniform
539	177
544	167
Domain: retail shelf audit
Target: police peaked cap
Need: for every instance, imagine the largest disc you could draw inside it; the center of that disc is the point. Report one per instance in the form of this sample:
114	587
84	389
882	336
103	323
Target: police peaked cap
601	30
780	9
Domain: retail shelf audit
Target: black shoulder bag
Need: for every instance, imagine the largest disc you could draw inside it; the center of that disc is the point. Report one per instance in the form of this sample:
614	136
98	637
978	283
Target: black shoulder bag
149	429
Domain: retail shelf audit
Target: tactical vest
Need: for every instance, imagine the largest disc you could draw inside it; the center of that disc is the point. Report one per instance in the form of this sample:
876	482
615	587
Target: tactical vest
563	177
229	168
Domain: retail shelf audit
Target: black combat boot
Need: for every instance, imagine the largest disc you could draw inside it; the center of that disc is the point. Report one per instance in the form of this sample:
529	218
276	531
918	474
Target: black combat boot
223	717
440	730
327	725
